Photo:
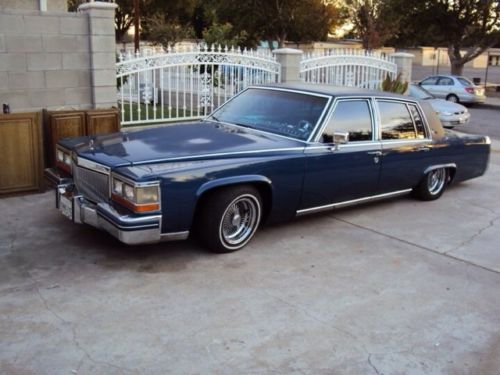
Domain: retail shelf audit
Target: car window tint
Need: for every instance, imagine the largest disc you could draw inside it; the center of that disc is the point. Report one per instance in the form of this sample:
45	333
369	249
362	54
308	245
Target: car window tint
429	81
352	116
396	122
465	82
419	124
445	81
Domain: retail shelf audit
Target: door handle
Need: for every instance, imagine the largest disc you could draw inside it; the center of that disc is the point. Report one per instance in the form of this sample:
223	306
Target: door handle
423	148
376	155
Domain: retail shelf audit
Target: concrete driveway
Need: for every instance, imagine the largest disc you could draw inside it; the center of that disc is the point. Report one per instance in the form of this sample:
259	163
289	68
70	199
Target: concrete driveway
397	287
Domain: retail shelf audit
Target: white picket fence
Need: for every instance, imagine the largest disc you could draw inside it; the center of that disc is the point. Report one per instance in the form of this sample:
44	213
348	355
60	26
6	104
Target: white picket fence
180	84
347	67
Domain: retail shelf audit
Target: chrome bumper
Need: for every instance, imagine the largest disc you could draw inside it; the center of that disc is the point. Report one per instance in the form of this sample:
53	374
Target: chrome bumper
129	229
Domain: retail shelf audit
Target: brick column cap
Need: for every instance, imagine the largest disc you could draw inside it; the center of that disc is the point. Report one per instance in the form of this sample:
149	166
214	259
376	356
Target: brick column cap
98	5
402	54
288	51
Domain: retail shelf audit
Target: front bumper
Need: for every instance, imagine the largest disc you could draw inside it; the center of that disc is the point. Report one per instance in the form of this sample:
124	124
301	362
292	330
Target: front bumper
128	228
455	120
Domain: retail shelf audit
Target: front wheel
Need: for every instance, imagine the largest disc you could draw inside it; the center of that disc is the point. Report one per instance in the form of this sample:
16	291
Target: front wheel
229	218
432	185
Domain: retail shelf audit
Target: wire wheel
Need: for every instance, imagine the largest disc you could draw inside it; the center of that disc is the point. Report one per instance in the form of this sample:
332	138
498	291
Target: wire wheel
436	180
239	221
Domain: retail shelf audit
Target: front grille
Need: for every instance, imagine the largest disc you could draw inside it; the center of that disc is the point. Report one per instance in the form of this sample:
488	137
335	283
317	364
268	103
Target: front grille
93	185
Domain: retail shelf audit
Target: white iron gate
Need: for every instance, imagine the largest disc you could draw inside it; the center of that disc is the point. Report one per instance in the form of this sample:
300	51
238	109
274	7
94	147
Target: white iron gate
187	84
347	67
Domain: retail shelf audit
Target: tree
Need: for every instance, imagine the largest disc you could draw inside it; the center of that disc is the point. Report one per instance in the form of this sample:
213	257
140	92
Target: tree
124	18
375	21
281	20
469	25
223	34
466	27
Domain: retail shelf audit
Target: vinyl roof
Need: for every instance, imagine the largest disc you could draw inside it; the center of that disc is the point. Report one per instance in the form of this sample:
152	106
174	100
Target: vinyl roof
335	90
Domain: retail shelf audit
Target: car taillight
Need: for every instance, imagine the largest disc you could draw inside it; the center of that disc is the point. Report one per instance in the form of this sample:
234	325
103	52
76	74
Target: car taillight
470	90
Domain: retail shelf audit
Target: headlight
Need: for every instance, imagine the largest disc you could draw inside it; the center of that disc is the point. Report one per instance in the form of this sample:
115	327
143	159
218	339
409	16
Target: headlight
117	187
446	113
63	159
137	197
147	194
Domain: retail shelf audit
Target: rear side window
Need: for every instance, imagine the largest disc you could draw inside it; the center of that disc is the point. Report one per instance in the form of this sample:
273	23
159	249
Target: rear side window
417	119
445	81
429	81
396	121
352	116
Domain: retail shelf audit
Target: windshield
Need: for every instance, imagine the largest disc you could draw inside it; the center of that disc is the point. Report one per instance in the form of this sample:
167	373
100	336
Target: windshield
419	93
275	111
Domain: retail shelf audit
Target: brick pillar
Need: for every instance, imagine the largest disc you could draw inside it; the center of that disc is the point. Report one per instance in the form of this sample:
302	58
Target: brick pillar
289	59
101	17
404	63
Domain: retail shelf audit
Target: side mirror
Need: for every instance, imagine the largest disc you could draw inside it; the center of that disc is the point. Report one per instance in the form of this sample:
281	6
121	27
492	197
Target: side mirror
340	138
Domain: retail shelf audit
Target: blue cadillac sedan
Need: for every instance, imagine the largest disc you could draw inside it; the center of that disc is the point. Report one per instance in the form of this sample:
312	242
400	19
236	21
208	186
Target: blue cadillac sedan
267	155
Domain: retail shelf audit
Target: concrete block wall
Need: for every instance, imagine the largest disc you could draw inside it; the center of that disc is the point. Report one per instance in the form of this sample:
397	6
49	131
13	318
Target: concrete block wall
56	60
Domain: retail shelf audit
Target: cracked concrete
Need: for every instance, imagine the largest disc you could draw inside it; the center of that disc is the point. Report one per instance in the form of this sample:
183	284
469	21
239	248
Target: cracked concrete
394	287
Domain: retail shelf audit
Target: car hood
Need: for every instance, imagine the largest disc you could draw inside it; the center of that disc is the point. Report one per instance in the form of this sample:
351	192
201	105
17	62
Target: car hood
441	105
187	141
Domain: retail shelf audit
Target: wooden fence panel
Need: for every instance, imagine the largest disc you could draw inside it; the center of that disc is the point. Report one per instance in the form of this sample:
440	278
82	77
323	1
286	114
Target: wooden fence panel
20	152
64	124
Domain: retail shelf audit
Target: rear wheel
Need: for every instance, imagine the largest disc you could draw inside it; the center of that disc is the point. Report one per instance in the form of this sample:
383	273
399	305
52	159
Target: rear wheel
452	98
229	218
432	185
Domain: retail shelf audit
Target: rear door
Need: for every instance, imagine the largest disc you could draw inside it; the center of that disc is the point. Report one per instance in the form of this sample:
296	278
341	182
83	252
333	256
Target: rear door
348	171
405	145
444	87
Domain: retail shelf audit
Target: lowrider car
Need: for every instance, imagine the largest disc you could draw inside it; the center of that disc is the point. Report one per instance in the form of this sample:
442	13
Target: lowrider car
267	155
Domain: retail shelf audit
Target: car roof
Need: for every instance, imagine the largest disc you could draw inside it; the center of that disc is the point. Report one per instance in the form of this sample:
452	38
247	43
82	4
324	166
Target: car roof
333	90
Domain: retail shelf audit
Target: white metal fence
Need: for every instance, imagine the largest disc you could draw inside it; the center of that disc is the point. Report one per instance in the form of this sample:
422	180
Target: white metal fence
347	67
159	86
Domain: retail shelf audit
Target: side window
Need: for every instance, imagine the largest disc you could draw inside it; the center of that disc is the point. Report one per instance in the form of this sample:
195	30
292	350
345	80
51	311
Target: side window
396	122
417	119
352	116
445	81
429	81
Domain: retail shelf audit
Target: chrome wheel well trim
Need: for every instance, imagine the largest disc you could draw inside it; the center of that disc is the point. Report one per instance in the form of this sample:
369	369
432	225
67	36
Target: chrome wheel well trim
438	166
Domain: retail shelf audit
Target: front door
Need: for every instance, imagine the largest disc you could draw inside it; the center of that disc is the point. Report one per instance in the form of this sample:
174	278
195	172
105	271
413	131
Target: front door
348	171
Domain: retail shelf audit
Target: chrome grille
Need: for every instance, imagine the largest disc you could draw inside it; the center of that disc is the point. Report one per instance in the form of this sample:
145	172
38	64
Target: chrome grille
93	185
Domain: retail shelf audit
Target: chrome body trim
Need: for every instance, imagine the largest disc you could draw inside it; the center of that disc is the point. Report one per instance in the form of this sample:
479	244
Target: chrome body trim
311	210
175	236
438	166
250	152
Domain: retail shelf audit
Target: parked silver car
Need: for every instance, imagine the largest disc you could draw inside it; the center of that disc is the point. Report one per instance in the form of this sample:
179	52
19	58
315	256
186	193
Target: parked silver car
454	89
450	114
